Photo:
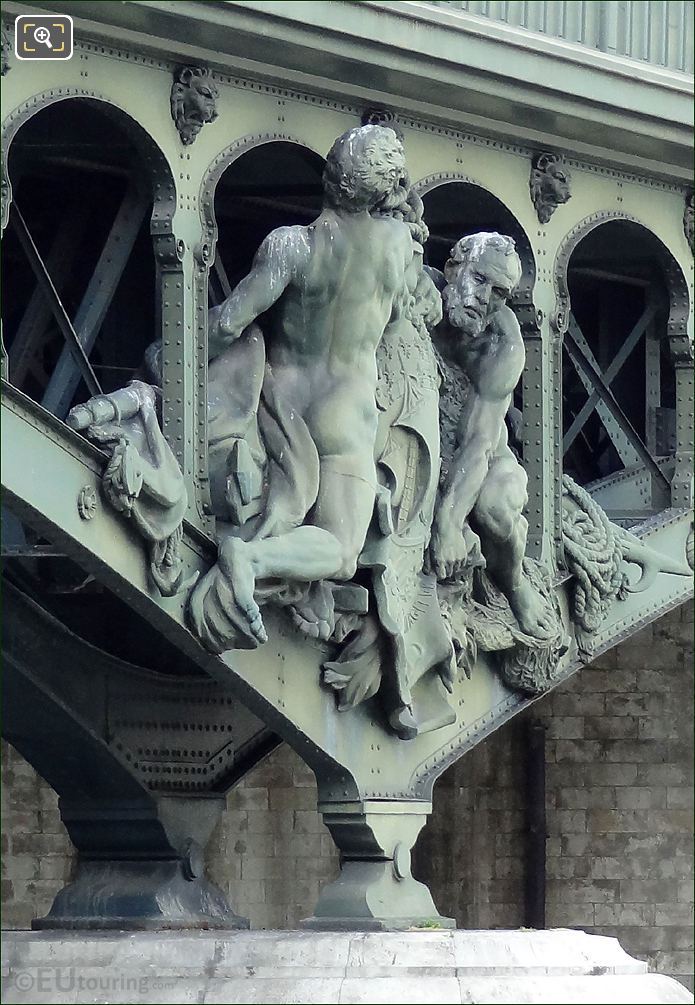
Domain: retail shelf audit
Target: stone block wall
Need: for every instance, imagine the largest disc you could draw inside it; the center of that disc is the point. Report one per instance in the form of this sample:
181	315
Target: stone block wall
37	853
271	852
620	796
619	805
471	853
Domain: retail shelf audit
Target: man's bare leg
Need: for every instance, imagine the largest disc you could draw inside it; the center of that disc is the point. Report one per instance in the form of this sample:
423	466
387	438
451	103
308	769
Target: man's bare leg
344	509
223	605
345	504
497	518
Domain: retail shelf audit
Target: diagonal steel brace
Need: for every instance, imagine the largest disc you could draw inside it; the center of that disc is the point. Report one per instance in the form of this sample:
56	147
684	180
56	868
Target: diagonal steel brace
614	368
583	364
97	297
56	305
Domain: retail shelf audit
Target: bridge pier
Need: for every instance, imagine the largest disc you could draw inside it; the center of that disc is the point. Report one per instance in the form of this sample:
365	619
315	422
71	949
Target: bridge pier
140	867
140	849
375	890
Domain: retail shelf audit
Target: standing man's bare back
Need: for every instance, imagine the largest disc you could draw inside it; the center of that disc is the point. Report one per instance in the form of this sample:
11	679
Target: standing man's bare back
335	285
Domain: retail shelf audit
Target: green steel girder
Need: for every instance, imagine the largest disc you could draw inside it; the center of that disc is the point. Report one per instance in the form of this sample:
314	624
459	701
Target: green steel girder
44	492
475	104
252	114
135	49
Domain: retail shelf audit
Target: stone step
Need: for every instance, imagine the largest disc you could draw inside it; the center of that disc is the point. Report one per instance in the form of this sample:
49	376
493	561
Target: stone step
424	966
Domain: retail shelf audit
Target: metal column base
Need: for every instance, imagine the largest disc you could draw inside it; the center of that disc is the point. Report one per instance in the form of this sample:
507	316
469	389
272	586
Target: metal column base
139	896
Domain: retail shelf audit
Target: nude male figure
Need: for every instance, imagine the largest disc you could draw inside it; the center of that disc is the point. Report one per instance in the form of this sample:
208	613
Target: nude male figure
484	490
333	287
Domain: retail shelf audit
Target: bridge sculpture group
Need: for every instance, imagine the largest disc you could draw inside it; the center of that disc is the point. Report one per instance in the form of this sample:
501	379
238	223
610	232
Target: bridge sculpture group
369	490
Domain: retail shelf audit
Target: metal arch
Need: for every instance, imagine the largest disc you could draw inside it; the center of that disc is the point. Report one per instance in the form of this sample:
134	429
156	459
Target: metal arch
168	251
217	168
680	346
676	284
523	295
5	193
160	172
153	155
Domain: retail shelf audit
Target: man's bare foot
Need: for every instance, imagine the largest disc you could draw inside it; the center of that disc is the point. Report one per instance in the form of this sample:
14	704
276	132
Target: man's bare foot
533	614
222	609
314	614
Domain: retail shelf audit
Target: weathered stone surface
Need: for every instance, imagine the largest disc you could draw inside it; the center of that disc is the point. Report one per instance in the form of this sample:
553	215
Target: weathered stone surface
580	990
295	967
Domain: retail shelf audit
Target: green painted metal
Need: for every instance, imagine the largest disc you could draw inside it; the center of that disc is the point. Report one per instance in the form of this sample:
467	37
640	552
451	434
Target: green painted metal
359	766
302	74
657	31
411	59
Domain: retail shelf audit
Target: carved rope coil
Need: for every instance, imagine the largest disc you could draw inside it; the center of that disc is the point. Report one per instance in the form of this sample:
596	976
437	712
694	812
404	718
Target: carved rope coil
593	555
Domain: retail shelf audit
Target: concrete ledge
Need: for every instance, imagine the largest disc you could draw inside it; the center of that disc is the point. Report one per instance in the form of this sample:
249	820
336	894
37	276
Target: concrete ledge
515	967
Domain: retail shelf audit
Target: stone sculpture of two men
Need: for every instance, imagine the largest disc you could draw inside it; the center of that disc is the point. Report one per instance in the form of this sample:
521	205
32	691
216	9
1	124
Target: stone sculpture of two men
327	292
324	437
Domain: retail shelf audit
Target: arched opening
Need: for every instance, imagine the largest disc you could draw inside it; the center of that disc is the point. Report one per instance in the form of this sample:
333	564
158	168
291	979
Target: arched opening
454	209
273	184
82	191
619	389
91	197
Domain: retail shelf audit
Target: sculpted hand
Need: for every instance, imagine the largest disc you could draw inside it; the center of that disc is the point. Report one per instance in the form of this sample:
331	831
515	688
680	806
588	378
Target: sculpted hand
219	334
451	547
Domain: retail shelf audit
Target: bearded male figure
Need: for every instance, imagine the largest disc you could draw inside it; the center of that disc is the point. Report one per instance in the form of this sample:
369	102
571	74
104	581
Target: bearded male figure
333	288
482	486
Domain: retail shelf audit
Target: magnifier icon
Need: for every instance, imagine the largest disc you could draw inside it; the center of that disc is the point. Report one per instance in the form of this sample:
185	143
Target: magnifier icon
43	36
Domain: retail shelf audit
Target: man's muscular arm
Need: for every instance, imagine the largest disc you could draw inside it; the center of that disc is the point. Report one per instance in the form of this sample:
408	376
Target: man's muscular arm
495	363
274	266
495	360
480	428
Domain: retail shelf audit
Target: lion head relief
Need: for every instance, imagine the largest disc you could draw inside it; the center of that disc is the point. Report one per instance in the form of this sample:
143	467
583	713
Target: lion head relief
193	100
549	184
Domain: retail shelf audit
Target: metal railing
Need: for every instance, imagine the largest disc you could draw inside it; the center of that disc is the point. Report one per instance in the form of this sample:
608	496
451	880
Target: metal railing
659	32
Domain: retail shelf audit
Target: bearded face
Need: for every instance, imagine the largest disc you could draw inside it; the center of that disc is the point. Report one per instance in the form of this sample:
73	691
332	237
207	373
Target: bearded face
478	288
461	312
